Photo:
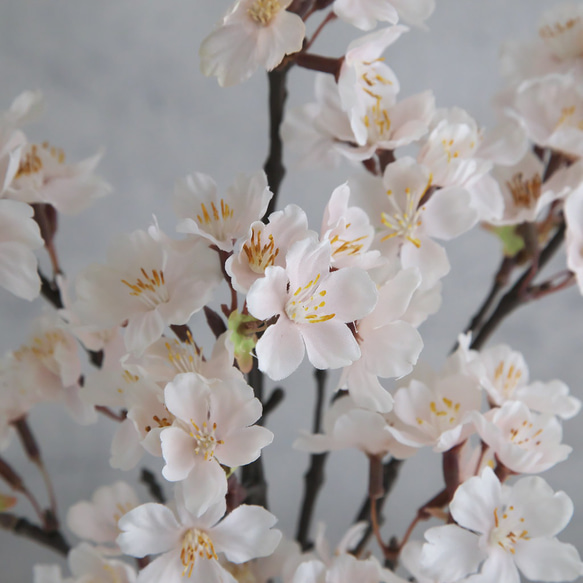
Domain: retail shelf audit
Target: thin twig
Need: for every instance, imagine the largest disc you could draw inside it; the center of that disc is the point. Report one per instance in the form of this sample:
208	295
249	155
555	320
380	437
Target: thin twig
329	18
22	527
149	479
515	297
314	476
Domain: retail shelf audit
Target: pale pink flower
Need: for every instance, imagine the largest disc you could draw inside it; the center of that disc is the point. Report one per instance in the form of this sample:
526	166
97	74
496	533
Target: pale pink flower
364	14
267	245
349	231
389	346
253	33
86	564
313	306
501	531
19	237
551	111
97	520
436	415
149	284
221	220
191	544
525	442
213	427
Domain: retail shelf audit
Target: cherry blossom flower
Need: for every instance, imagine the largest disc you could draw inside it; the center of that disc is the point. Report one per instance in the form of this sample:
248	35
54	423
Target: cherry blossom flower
346	425
253	33
389	346
436	415
349	231
86	564
551	111
525	442
504	375
364	14
147	283
221	220
19	237
267	245
212	427
313	306
191	544
501	531
406	228
97	520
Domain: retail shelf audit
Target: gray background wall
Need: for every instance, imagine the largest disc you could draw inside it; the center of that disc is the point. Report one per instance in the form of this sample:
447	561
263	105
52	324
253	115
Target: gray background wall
124	75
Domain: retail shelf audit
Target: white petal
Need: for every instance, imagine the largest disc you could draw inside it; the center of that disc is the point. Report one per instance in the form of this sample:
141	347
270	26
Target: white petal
246	533
548	560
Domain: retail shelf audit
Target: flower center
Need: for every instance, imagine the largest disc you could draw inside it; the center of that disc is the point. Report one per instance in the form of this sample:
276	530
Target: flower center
260	256
151	290
377	120
347	246
571	118
525	435
159	423
32	159
404	223
524	192
205	439
184	356
564	38
507	381
445	410
305	306
43	348
264	11
508	530
195	543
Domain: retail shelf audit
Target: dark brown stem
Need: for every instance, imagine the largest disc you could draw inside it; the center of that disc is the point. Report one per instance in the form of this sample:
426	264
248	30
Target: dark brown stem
319	63
273	167
22	527
50	291
314	477
390	475
30	445
149	479
515	297
119	417
375	491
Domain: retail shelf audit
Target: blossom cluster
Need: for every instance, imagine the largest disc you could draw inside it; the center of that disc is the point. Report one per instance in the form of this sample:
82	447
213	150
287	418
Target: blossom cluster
348	293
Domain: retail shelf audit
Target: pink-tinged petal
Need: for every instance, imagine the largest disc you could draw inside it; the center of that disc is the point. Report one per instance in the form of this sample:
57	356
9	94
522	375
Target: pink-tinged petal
126	450
364	15
47	574
229	54
547	512
143	330
498	567
392	351
233	405
267	296
210	571
205	486
430	258
187	397
246	533
316	443
310	572
366	390
189	192
18	270
350	294
548	560
449	213
178	451
283	36
280	350
451	553
329	344
148	529
475	500
243	446
395	297
305	260
167	568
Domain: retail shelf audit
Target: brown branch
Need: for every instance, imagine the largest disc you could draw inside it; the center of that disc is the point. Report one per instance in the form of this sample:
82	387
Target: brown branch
516	296
149	479
390	475
22	527
314	476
